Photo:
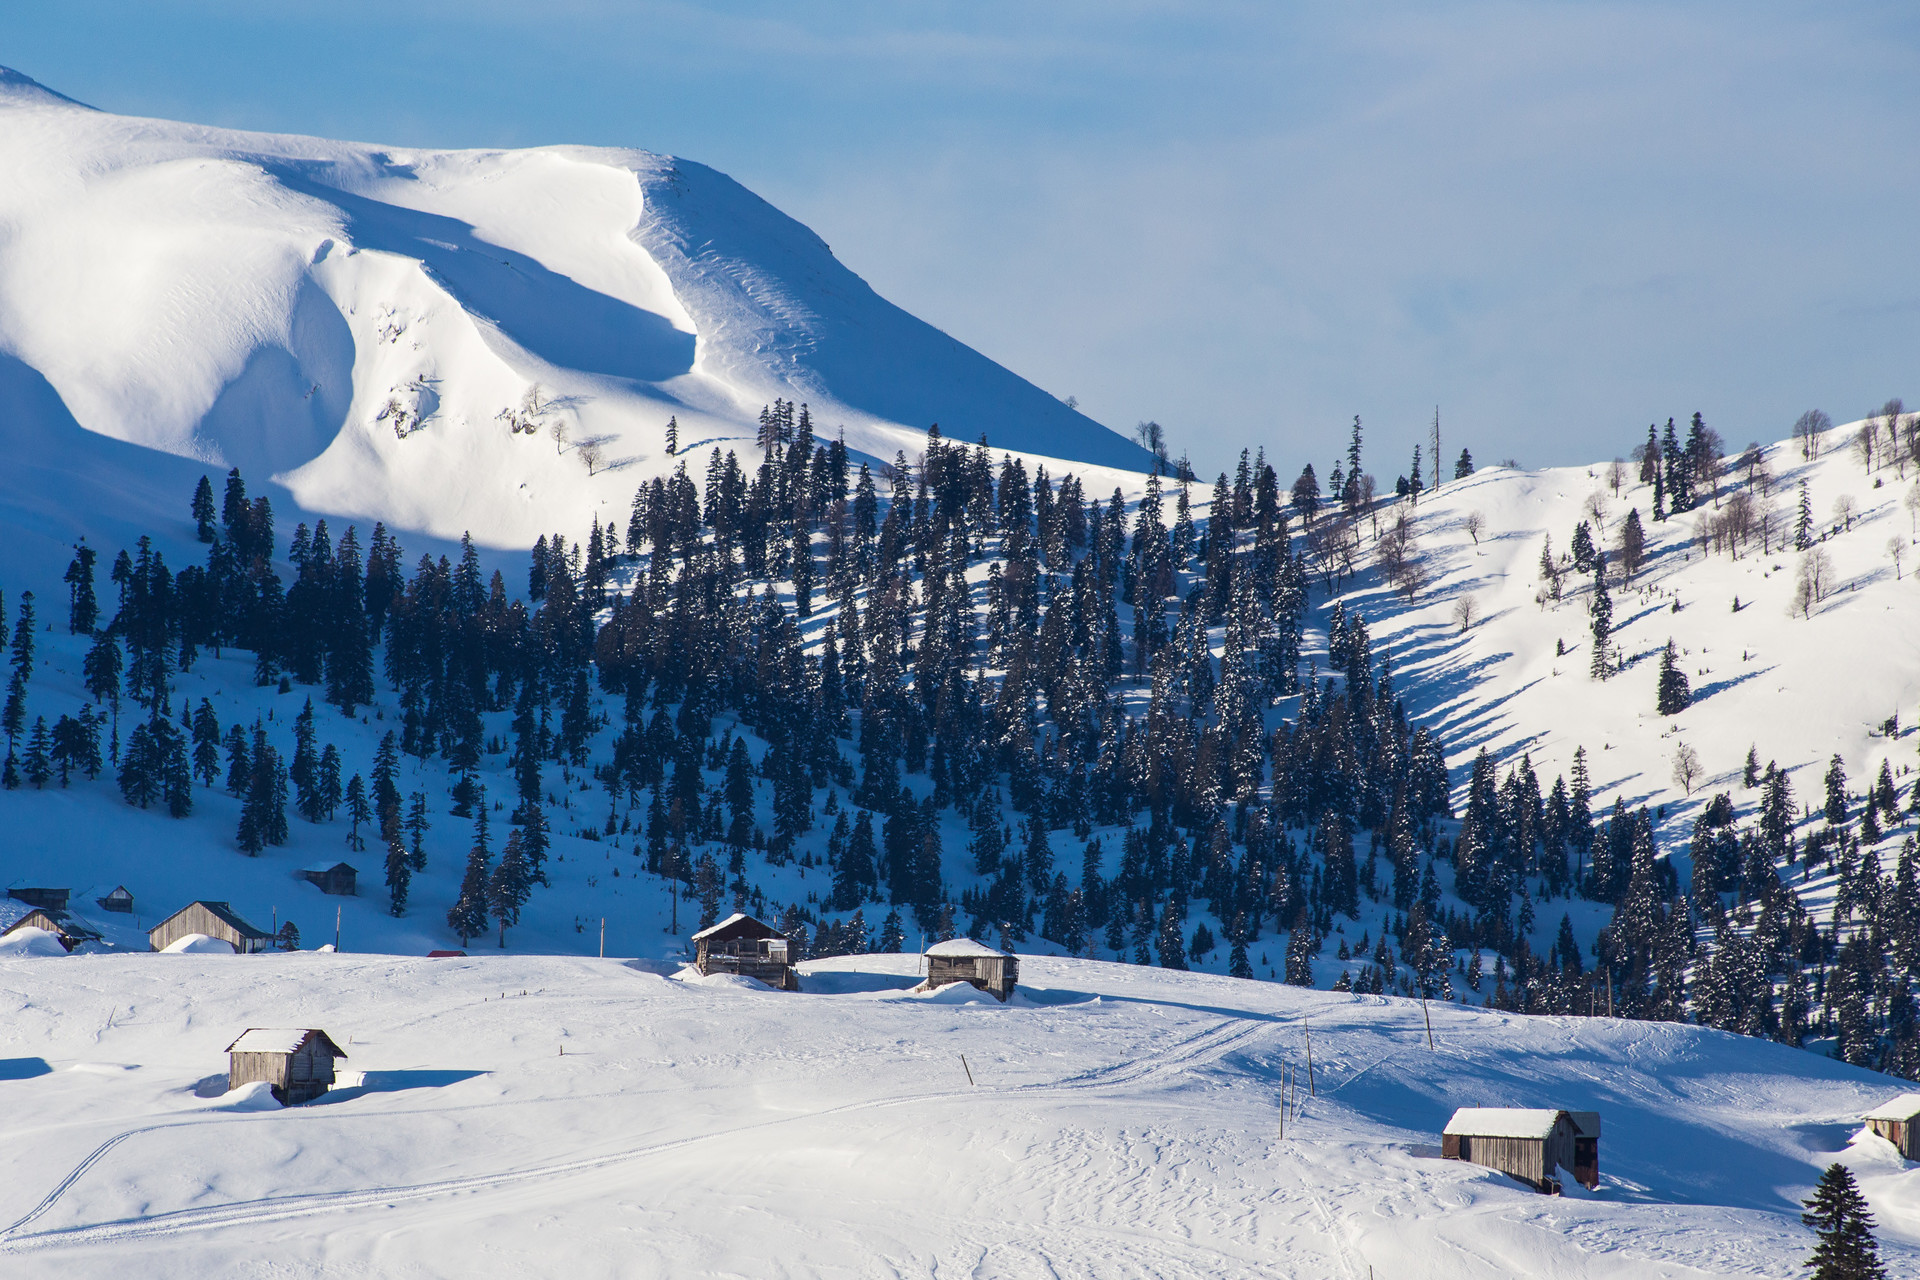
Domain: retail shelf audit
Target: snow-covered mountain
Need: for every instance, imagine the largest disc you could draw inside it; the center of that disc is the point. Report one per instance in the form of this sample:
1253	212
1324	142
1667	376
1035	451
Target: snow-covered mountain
396	334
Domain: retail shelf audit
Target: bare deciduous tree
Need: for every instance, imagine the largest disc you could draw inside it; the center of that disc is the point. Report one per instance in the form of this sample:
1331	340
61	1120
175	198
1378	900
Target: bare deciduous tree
1808	429
1475	524
592	454
1843	509
1596	511
1617	475
1686	767
1913	505
1810	580
1896	547
557	432
1465	613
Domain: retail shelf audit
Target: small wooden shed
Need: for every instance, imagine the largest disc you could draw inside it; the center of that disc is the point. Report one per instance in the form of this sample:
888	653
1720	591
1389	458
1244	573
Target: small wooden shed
216	920
52	899
331	877
297	1062
964	960
740	944
62	924
119	900
1898	1121
1529	1144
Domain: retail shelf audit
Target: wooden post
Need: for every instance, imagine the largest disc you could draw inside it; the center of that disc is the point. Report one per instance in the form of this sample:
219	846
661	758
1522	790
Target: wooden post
1429	1018
1311	1091
603	937
336	928
1609	992
966	1068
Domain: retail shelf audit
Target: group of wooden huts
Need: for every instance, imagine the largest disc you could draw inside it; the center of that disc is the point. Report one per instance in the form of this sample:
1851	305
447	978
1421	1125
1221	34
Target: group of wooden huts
1536	1145
47	909
745	947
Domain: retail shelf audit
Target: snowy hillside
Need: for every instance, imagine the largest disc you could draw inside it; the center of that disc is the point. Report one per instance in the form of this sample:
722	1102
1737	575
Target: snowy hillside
396	334
550	1116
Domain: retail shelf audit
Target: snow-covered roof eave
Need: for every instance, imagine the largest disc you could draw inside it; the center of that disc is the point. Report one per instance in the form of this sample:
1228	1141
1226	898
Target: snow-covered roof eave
1502	1122
1904	1107
962	947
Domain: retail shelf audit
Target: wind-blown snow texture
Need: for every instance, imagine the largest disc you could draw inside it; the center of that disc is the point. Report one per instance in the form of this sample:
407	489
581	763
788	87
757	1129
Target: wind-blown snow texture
353	321
1124	1122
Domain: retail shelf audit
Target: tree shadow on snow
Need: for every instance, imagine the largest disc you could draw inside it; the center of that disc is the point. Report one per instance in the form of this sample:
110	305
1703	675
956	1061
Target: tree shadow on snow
23	1068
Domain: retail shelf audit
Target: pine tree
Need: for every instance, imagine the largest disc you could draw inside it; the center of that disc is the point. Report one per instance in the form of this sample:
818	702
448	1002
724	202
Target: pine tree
417	828
1672	694
893	938
1750	776
1838	1214
38	765
206	743
203	510
673	436
1601	610
509	885
1464	467
1836	782
468	915
1803	522
399	878
358	811
83	607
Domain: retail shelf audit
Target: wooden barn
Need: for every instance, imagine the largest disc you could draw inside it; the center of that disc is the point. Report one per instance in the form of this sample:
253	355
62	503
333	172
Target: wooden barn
1898	1121
964	960
331	877
52	899
119	900
740	944
297	1062
216	920
1528	1144
61	923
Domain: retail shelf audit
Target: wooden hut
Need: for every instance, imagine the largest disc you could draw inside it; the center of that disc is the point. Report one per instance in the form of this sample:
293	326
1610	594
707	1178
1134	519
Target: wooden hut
119	900
62	924
1898	1121
331	877
964	960
297	1062
216	920
1531	1145
52	899
740	944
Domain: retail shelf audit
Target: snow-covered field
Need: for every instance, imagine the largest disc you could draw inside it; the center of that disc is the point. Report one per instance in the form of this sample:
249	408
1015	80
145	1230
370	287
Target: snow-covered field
580	1117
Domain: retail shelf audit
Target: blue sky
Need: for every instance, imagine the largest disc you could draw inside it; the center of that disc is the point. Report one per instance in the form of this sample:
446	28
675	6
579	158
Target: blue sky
1250	222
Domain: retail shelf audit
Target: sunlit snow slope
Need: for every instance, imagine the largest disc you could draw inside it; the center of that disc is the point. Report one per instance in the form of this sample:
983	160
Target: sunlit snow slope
1120	1122
368	325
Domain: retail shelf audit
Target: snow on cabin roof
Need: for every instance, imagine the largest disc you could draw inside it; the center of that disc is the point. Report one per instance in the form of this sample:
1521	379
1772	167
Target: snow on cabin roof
742	924
1503	1122
1904	1107
279	1040
322	868
13	911
963	947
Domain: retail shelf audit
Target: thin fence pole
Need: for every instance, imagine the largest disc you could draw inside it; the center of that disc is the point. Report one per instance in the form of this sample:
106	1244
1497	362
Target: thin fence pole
1311	1091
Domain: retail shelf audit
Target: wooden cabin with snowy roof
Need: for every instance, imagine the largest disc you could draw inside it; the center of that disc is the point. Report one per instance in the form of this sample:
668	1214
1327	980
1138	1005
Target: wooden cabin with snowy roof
296	1061
70	930
120	900
1528	1144
744	946
215	920
1898	1121
965	960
